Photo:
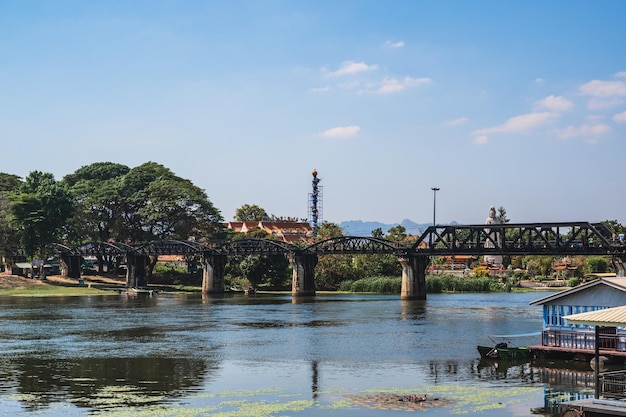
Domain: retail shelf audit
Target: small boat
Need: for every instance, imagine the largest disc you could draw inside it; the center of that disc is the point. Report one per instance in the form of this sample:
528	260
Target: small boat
503	351
502	348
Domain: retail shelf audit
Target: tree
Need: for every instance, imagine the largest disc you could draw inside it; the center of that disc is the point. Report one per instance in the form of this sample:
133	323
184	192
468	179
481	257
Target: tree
40	209
328	230
597	264
615	227
397	233
97	193
250	213
9	182
378	233
502	215
8	237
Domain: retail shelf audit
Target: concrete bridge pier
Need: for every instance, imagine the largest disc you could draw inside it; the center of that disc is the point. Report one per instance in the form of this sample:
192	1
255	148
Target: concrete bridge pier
136	276
303	282
213	267
70	265
413	277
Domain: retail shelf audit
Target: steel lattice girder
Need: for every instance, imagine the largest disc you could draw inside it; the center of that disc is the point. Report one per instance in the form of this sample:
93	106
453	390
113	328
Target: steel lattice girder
172	247
255	247
355	244
518	239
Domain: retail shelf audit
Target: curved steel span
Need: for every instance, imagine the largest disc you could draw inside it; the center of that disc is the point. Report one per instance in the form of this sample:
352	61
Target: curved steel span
568	238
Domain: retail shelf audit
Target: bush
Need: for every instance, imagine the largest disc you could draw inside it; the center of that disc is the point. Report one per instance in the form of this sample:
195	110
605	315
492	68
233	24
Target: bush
382	285
170	275
572	282
440	283
434	284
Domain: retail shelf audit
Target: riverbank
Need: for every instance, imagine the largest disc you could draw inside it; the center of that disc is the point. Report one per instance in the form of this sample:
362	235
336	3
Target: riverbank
14	285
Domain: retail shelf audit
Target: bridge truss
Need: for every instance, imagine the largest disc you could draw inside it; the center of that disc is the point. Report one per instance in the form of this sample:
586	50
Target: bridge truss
574	238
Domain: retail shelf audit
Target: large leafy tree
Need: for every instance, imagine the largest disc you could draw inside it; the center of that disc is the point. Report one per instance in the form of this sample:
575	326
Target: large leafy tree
175	208
249	213
40	209
96	190
159	205
8	237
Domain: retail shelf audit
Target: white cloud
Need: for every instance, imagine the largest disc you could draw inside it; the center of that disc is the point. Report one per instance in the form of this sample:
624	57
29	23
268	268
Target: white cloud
320	90
621	74
457	122
599	88
351	67
341	132
481	140
539	80
521	123
351	85
583	130
596	103
620	117
554	103
390	44
595	117
393	85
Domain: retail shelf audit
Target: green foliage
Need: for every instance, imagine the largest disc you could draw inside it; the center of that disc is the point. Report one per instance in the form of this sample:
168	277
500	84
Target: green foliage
272	271
397	233
248	213
9	182
39	212
328	230
597	264
573	282
332	270
441	283
171	275
382	285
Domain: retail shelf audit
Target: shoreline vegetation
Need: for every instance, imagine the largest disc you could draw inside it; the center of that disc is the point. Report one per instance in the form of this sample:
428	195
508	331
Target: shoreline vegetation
56	285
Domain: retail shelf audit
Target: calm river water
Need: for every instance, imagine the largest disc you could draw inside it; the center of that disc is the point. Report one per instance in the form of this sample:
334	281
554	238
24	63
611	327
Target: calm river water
268	355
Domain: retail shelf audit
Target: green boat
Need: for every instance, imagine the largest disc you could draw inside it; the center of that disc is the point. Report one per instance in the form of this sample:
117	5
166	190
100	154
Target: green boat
504	349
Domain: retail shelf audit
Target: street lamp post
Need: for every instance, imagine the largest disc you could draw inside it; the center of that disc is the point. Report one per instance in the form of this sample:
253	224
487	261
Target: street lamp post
435	189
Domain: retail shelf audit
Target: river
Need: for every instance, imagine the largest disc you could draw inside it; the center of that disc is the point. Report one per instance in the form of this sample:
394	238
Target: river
271	355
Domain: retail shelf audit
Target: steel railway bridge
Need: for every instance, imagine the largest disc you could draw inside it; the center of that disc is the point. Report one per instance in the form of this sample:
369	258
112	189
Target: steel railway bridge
558	239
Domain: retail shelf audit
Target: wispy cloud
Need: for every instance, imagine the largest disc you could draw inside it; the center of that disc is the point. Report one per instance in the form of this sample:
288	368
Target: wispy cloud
481	140
390	44
584	130
597	88
621	74
351	67
597	104
341	132
457	122
521	123
620	117
320	90
554	103
392	85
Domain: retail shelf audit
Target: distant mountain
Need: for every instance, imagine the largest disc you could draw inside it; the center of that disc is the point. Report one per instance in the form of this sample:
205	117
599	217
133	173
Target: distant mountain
361	228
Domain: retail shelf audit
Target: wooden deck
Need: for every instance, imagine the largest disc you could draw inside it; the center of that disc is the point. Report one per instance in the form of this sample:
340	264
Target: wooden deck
594	408
541	351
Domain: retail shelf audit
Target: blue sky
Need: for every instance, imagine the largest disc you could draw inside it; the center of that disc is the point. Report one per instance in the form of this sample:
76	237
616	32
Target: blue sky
519	104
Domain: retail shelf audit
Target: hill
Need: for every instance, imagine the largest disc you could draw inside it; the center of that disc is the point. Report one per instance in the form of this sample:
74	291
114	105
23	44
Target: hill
361	228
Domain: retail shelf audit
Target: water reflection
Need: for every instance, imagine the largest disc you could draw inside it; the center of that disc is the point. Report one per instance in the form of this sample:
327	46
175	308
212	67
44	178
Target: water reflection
103	382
